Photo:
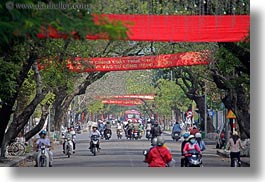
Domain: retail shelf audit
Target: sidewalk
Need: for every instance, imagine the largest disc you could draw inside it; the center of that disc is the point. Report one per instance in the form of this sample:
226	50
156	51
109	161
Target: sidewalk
16	161
220	152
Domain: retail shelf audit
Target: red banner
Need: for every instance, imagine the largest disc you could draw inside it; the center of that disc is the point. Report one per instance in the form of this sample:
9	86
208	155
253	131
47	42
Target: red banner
198	28
130	96
139	62
189	28
123	102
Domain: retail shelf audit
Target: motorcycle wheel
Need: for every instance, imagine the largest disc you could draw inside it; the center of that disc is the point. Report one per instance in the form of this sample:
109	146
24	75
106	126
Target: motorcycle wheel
235	163
94	151
68	151
42	162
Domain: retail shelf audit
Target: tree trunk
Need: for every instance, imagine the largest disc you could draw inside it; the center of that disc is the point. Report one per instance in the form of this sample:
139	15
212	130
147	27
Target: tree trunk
19	123
39	126
200	102
63	105
7	108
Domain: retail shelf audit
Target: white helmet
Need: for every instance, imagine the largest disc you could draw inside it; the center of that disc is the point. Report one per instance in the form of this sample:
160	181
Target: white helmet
198	135
190	137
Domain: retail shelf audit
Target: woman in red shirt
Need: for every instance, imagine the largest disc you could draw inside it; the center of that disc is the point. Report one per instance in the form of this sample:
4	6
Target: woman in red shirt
159	156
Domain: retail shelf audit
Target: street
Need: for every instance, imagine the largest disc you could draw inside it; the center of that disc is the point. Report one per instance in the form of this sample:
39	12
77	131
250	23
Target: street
125	153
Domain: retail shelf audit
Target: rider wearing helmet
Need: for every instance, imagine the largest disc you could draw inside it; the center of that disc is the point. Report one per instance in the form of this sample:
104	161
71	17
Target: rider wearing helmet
107	128
44	141
70	131
159	156
185	137
94	132
190	145
156	130
199	141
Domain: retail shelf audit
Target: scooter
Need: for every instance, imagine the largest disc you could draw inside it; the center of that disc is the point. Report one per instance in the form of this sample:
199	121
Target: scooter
148	134
94	144
101	133
43	157
235	162
136	134
68	145
107	134
176	135
194	159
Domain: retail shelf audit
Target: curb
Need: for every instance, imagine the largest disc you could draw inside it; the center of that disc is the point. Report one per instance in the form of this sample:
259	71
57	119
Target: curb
14	162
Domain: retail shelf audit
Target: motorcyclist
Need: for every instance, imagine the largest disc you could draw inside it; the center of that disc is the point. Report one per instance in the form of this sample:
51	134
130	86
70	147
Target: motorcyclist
107	127
128	128
46	141
159	156
153	144
176	128
70	131
185	137
101	126
156	130
148	125
119	126
194	130
199	141
94	132
234	145
190	145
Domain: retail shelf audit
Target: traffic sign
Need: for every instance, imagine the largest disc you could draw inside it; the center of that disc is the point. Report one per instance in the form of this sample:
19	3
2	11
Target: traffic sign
230	115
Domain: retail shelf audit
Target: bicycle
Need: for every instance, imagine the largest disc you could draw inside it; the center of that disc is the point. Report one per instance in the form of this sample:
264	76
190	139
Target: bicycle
16	148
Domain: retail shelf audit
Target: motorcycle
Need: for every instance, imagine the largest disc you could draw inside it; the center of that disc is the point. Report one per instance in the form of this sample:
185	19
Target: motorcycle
101	133
176	135
119	134
129	134
136	135
235	163
148	134
68	145
194	159
94	144
107	134
43	157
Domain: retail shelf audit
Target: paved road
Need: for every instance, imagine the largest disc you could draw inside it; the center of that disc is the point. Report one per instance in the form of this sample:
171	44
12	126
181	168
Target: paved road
125	153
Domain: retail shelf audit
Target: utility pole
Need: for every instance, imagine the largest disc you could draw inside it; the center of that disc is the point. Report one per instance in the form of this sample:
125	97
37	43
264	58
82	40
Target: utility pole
49	122
205	109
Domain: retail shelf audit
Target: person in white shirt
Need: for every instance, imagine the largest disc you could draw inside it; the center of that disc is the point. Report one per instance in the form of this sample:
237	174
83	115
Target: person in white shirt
94	132
44	141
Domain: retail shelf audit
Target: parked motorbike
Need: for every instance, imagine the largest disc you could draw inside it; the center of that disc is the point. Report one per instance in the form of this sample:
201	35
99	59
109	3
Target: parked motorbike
43	157
107	134
194	159
148	134
68	145
94	144
176	135
119	134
